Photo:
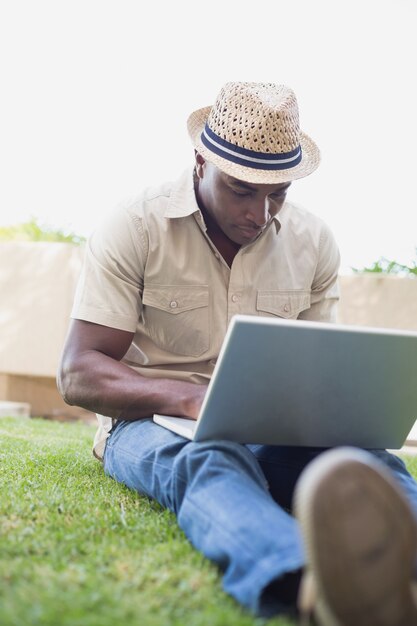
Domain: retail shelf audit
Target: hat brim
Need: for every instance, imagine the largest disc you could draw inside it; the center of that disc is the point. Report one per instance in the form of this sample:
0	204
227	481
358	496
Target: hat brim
309	162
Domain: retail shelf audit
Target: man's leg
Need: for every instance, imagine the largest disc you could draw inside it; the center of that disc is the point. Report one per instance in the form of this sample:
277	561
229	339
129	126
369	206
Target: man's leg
360	533
282	466
221	499
397	468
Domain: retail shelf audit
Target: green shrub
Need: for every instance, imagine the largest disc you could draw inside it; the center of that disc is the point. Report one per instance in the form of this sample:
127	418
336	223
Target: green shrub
35	231
385	266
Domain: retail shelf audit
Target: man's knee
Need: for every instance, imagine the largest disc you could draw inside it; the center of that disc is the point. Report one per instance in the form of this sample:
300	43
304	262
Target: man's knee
218	458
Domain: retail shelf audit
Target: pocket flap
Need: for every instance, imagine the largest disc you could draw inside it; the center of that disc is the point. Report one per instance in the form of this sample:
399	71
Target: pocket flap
283	303
176	299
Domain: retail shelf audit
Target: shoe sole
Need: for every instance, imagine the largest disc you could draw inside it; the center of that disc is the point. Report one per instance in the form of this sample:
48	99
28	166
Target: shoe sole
361	540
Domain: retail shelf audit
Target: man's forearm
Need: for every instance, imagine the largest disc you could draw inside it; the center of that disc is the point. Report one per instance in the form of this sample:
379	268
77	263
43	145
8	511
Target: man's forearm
103	385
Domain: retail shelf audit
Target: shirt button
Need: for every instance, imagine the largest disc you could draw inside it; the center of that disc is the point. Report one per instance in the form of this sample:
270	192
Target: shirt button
286	308
235	298
173	304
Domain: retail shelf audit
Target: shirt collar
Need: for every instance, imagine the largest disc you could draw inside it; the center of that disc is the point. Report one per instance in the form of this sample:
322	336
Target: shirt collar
277	223
182	201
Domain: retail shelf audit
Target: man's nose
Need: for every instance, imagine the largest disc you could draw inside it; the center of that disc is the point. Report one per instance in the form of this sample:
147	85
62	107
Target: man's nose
259	212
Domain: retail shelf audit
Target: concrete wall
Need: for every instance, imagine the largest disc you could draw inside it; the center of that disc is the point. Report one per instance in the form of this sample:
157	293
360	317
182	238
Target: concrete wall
375	300
37	286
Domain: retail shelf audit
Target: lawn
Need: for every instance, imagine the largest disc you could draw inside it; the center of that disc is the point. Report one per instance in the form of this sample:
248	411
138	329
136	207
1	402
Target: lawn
78	549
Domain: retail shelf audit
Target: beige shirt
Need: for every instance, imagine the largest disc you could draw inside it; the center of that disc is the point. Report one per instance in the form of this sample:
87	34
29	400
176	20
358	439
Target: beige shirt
151	269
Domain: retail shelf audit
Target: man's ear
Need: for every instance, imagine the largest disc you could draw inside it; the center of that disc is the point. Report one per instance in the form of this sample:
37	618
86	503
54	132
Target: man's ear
199	164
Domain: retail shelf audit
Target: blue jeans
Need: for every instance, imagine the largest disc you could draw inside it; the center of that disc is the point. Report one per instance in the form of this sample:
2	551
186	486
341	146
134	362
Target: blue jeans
232	501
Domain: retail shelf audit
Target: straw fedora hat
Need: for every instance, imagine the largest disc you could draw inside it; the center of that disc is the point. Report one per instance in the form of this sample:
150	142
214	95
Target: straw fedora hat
252	133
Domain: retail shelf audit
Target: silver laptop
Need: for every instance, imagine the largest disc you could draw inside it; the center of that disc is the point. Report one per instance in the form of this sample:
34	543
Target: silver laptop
299	383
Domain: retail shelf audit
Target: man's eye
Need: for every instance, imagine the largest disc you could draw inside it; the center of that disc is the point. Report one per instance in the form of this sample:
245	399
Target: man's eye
241	193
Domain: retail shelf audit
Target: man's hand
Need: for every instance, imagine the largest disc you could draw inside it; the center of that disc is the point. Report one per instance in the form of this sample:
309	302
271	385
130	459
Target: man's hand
194	400
91	376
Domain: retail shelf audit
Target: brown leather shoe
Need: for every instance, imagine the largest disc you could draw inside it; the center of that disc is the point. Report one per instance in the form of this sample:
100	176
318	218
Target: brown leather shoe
361	543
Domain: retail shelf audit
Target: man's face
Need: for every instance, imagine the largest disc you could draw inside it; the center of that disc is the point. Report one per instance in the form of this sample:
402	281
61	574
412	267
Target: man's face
241	210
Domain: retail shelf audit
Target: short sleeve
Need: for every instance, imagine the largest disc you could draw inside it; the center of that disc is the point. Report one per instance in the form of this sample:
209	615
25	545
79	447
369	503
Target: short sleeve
109	290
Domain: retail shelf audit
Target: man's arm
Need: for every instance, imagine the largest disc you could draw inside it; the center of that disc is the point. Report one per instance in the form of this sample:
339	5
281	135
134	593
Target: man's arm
91	376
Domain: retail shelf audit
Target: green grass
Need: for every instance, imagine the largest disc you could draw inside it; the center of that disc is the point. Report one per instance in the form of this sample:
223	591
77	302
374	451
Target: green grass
78	549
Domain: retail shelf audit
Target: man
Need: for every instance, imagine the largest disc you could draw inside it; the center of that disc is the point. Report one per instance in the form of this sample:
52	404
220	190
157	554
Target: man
161	281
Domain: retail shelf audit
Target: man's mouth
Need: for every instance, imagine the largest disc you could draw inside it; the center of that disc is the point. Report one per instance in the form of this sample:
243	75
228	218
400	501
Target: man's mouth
249	231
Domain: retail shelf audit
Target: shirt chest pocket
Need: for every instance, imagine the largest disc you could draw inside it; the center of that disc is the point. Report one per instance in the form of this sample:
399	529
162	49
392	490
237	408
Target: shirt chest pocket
176	317
288	304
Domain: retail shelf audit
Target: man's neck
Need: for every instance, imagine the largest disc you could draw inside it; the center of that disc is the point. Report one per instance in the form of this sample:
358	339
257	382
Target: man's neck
227	248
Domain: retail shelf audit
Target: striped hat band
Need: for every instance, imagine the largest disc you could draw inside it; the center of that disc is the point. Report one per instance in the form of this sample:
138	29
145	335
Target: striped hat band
249	158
